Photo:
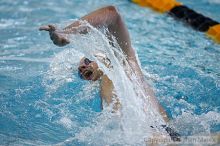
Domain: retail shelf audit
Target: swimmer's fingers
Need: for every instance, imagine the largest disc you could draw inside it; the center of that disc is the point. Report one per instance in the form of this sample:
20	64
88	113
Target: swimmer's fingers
49	27
58	37
46	28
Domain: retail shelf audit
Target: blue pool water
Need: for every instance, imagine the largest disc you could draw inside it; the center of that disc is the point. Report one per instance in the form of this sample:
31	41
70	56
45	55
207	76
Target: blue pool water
42	103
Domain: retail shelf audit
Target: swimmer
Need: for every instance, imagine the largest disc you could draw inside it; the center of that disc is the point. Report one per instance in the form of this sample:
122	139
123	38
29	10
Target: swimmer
110	18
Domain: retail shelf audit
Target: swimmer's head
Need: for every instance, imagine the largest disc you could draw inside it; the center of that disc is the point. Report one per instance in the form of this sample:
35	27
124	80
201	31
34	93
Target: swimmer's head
89	70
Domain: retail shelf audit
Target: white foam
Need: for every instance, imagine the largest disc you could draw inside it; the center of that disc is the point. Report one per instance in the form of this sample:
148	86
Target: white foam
61	69
214	1
192	124
67	122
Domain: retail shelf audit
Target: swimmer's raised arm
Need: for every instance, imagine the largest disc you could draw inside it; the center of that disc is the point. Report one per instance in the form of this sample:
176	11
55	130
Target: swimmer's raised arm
105	17
110	18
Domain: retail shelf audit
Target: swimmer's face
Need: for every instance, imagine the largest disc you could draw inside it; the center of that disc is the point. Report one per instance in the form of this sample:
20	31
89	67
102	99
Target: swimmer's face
89	70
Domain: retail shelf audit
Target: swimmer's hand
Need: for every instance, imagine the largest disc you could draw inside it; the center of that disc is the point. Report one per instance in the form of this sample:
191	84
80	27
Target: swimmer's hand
58	37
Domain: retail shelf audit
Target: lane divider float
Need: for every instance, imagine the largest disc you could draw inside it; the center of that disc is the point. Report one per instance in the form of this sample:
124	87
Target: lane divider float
179	11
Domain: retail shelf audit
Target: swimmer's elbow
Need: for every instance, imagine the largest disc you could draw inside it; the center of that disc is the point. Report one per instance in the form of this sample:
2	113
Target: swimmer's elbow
113	11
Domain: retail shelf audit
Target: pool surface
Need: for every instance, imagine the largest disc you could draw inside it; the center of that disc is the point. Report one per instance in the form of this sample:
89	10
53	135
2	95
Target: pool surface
44	102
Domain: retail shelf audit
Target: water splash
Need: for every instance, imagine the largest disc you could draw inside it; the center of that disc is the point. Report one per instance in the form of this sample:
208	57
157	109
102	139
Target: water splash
61	69
132	124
